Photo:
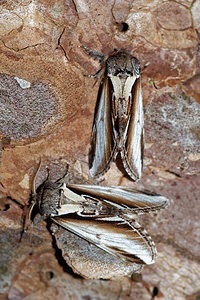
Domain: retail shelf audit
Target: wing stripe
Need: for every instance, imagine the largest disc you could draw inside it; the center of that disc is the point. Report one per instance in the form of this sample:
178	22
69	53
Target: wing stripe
123	240
102	145
132	151
123	197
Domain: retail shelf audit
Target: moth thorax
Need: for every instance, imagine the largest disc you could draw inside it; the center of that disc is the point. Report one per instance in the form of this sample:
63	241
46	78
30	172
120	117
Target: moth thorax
123	80
49	202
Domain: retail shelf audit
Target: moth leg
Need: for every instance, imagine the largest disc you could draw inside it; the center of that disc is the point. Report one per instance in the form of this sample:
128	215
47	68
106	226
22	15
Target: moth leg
144	67
33	189
27	215
98	56
95	54
97	75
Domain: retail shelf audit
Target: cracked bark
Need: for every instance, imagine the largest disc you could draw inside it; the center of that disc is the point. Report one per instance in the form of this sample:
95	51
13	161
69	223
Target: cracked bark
52	120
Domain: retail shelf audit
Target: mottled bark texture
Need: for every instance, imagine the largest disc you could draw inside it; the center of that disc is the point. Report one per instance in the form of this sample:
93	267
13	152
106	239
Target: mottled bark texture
46	111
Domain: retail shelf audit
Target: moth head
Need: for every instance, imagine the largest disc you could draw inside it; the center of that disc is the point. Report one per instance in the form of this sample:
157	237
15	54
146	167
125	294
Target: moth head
122	64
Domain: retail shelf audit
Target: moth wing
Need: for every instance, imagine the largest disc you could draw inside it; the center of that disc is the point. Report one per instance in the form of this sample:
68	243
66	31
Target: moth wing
132	149
124	197
102	145
118	238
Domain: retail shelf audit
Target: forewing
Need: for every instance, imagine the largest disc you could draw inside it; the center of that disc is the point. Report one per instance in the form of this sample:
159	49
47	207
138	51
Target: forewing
102	145
123	197
121	239
132	148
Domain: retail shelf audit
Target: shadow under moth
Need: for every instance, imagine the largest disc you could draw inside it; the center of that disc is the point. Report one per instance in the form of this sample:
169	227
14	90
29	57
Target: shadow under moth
118	126
103	216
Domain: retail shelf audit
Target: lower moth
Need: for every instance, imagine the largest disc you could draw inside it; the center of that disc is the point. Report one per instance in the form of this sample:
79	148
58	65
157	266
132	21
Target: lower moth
104	216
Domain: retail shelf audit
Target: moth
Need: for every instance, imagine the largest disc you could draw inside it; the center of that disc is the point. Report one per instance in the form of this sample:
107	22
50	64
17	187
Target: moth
104	216
118	126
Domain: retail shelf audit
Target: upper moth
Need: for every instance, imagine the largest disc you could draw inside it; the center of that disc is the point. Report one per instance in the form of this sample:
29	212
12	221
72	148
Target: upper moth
118	125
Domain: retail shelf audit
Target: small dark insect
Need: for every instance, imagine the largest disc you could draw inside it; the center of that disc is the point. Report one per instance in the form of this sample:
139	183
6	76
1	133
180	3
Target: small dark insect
118	125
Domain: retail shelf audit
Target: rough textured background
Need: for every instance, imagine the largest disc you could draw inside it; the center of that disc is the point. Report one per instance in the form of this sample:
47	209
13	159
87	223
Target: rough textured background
46	111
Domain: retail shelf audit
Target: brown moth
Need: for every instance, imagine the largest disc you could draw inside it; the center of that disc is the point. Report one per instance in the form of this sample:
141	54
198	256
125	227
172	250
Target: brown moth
104	217
118	126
